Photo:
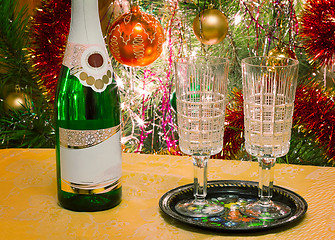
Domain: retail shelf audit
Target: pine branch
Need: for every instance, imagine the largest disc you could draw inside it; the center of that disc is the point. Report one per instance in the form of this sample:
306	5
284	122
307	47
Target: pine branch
14	64
31	127
28	128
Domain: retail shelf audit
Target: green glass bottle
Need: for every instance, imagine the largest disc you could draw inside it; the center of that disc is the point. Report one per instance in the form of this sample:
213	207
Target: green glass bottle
88	148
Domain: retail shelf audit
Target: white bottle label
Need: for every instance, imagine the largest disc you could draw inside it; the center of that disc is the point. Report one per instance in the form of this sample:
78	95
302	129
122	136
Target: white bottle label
90	64
90	160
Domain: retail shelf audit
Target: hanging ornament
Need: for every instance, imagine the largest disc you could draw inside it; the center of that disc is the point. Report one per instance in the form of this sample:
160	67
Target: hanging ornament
17	100
210	26
135	38
278	52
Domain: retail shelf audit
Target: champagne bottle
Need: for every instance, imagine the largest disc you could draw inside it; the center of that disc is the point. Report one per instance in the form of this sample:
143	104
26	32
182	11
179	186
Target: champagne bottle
88	148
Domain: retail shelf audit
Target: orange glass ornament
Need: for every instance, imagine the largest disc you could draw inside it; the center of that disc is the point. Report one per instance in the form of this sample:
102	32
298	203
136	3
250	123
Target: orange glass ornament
135	38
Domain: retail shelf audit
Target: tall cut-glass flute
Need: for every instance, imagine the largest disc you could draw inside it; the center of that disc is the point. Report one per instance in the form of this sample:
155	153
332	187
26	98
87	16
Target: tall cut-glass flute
201	88
269	86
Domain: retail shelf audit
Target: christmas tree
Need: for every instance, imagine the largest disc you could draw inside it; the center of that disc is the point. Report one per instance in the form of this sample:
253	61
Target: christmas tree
31	51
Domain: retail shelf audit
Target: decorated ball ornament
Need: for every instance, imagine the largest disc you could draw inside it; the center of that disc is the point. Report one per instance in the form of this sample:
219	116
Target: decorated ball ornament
17	100
278	53
210	26
135	38
282	52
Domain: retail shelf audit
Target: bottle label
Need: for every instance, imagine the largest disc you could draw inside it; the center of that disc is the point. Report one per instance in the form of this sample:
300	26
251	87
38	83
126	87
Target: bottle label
90	160
90	64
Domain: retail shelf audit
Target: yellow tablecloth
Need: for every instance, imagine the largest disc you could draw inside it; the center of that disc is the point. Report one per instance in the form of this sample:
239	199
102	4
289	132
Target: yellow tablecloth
29	210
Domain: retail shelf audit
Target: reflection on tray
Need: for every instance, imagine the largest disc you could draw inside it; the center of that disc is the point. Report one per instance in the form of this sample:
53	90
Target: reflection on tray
233	195
232	217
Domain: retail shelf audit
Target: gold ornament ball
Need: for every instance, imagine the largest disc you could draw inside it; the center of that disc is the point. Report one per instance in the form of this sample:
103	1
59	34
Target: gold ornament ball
282	52
17	101
278	53
210	26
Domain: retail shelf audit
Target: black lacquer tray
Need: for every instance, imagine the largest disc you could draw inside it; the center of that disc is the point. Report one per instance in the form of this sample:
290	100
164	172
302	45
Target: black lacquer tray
233	194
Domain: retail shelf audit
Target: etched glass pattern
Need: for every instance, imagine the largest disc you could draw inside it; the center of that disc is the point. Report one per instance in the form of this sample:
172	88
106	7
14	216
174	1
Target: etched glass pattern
269	92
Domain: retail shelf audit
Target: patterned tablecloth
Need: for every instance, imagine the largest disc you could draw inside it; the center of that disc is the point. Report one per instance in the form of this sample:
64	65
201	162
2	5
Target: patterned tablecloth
29	210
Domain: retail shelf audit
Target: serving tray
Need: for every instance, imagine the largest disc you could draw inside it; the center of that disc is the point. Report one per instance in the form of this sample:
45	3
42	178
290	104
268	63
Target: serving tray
233	195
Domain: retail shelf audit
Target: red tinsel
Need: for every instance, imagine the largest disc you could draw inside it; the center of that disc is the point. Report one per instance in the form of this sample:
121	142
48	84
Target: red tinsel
233	132
317	30
314	112
48	33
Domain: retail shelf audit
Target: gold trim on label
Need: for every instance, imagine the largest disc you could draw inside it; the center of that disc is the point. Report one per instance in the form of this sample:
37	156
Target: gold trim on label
89	189
79	139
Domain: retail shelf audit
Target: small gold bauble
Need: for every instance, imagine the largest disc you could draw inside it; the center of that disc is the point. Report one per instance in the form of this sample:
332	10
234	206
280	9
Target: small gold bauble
211	27
277	54
282	52
17	101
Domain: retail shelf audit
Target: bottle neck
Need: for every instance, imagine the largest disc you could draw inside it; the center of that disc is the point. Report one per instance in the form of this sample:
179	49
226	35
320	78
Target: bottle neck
85	25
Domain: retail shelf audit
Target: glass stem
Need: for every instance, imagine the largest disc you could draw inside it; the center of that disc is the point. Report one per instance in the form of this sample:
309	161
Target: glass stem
265	184
200	178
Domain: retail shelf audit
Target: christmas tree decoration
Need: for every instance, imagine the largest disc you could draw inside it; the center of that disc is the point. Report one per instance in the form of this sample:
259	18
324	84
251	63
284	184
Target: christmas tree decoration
278	53
317	30
282	52
266	22
234	125
17	100
135	39
15	67
210	26
48	33
31	127
314	112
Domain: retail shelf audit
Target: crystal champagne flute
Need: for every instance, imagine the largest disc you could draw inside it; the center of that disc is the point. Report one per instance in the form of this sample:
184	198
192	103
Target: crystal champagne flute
269	86
201	86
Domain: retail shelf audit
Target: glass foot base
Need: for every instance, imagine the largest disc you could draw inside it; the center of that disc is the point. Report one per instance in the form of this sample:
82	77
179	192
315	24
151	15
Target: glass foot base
274	210
191	208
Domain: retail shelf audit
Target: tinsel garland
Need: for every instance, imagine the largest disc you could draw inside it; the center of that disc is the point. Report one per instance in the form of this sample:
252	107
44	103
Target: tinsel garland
314	113
49	28
281	28
317	30
233	132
